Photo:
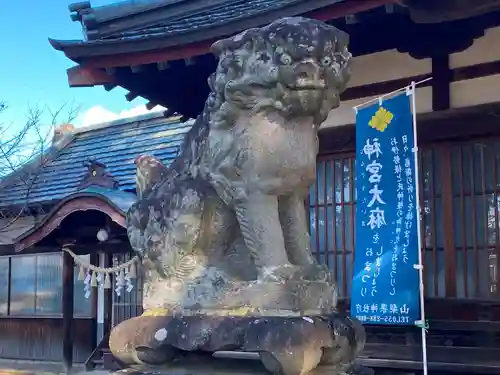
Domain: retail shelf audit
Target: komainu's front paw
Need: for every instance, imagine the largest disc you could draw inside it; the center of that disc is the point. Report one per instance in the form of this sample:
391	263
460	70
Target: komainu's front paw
278	274
317	272
289	272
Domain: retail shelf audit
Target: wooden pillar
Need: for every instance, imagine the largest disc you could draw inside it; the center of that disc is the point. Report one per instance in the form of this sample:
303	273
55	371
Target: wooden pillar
108	298
67	309
442	76
450	250
94	260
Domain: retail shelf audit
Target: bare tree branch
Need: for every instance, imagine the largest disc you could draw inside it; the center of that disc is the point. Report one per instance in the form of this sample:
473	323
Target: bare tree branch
23	149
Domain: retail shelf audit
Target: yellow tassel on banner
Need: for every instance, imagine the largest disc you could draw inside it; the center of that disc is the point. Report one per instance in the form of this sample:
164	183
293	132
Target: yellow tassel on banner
107	282
93	281
81	273
132	271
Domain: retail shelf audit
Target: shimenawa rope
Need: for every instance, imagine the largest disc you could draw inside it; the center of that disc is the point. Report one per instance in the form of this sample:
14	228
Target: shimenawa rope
97	269
130	266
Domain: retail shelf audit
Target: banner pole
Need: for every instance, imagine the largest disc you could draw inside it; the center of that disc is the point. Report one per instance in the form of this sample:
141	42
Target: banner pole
379	98
419	266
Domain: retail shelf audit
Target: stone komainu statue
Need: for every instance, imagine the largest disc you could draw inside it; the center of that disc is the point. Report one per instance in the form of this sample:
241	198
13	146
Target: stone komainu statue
223	229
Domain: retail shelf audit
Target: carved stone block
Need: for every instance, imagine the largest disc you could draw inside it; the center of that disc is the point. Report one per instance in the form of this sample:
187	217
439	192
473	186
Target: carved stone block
286	345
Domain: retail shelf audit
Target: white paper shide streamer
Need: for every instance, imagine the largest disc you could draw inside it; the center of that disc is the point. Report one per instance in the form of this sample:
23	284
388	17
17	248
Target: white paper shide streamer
102	277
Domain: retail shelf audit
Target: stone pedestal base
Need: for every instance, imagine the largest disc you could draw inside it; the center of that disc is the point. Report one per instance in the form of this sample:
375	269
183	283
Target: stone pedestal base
206	364
295	292
285	345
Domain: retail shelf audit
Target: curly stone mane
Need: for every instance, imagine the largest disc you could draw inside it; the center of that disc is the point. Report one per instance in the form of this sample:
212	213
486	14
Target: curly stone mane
255	73
255	65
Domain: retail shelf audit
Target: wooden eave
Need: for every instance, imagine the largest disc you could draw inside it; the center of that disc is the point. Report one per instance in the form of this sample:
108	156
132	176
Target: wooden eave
119	51
95	57
422	11
79	76
73	203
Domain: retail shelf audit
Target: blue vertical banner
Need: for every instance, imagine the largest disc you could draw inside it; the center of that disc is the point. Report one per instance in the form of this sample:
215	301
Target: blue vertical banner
385	287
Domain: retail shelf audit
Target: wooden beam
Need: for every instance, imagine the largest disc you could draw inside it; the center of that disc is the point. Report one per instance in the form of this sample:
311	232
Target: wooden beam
150	57
163	65
85	77
380	88
389	8
9	285
109	87
68	310
447	222
136	68
344	8
475	71
442	77
94	259
351	19
108	299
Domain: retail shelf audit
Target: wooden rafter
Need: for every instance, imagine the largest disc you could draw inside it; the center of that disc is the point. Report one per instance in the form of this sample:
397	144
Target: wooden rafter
344	8
131	96
78	77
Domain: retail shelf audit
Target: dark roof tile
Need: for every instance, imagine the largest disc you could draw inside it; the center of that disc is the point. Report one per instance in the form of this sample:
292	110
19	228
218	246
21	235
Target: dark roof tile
216	16
191	22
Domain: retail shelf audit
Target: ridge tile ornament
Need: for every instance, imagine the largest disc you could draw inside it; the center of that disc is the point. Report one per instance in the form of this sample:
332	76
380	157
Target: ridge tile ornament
222	231
96	175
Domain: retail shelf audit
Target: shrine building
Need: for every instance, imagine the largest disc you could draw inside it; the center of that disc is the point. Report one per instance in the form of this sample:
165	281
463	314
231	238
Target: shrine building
159	50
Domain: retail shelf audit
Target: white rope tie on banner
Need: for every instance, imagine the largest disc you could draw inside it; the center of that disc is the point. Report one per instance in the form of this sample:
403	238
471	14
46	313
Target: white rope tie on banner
381	98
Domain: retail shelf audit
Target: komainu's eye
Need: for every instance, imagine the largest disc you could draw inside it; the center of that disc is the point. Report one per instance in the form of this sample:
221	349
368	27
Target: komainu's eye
326	61
286	59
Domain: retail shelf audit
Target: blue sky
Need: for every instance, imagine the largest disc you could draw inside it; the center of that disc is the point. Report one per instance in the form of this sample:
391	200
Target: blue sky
32	73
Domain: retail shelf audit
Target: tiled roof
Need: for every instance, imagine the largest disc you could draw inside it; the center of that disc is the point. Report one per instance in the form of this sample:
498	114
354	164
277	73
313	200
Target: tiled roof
179	15
116	144
228	11
168	23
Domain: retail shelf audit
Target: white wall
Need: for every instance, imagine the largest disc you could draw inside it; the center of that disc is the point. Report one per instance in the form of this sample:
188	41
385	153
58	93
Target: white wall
392	65
11	229
479	90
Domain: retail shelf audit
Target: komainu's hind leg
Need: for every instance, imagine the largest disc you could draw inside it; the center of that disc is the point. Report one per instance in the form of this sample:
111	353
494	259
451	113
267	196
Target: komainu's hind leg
222	242
260	226
297	241
218	229
294	223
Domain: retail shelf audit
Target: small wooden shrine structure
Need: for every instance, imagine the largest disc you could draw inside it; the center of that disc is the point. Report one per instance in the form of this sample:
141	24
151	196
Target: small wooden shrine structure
74	197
